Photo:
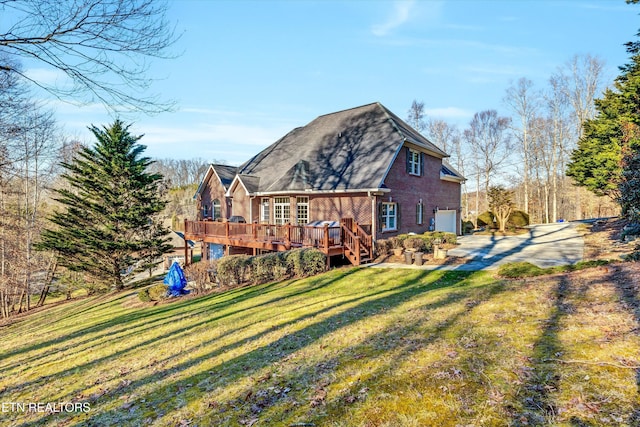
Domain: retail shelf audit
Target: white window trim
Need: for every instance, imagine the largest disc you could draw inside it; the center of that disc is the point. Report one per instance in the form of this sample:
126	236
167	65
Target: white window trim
415	160
386	217
264	210
301	202
280	207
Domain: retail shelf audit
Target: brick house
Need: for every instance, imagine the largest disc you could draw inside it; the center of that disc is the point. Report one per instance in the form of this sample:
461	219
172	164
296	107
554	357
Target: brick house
365	164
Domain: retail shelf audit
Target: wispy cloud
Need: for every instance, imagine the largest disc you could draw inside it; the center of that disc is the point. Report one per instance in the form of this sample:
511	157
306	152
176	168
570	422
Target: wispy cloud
46	76
401	14
448	113
230	134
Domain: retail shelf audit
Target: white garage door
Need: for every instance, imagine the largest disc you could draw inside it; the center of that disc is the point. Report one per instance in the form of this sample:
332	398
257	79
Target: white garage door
446	221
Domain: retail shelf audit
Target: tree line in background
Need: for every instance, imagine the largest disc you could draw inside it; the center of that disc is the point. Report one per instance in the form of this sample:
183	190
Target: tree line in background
100	50
33	152
53	193
102	47
529	150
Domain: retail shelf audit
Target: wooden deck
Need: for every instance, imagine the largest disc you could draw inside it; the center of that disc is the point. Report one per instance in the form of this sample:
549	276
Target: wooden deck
349	238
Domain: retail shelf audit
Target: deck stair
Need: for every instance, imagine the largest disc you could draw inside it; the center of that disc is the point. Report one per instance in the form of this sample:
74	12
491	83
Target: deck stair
350	239
357	243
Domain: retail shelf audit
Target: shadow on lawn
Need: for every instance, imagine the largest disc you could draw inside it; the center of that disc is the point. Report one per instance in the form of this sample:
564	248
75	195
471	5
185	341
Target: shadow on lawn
529	240
404	341
543	377
202	306
628	289
167	397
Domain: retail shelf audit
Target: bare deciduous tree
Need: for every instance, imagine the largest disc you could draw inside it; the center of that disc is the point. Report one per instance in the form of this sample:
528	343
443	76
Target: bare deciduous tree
524	102
487	137
102	46
580	80
416	117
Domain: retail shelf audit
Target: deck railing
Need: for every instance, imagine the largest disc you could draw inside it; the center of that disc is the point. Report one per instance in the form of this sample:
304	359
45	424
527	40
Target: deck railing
323	237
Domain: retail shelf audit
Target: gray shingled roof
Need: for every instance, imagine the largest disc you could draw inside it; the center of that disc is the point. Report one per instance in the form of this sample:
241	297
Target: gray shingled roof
347	150
226	174
450	171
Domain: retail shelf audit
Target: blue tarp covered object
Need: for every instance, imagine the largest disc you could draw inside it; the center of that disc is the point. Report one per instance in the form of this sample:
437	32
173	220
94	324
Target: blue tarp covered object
176	281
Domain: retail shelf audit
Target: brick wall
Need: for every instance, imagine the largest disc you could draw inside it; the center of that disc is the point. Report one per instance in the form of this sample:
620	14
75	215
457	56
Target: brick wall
407	190
334	207
240	203
213	189
331	207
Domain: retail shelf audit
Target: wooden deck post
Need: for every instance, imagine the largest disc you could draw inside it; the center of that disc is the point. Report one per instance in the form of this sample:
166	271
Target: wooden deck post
357	250
287	238
186	245
325	239
226	229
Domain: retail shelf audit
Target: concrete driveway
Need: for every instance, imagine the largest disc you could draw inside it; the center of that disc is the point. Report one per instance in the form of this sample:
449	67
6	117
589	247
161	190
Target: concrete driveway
545	245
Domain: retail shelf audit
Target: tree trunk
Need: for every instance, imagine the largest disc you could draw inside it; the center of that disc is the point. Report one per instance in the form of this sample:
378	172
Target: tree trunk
554	197
4	312
51	271
21	301
546	203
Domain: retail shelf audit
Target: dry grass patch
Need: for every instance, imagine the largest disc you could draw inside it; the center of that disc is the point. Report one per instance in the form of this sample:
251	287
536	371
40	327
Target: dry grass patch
352	347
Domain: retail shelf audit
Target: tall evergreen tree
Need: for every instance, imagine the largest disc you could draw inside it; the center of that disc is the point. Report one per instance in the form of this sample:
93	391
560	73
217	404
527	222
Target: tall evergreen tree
608	152
109	224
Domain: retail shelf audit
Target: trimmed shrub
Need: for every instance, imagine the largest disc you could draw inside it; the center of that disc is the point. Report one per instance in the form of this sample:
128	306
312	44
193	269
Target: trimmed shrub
233	269
315	262
158	292
143	295
153	293
425	242
268	267
306	262
444	236
486	219
467	227
518	219
276	266
416	243
383	246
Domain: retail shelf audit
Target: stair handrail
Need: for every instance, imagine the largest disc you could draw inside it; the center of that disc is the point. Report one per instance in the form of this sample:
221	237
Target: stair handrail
366	239
352	242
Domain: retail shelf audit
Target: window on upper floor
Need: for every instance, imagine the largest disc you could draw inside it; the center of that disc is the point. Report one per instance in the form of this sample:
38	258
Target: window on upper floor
205	211
414	162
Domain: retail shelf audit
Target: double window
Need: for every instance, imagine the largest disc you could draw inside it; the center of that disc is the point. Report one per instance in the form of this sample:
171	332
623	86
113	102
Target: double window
281	210
389	216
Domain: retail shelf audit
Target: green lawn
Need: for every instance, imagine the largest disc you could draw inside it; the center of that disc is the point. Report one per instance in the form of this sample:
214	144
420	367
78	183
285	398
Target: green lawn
352	347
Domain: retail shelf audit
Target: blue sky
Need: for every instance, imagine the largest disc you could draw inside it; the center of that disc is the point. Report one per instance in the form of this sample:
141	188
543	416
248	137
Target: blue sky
251	71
